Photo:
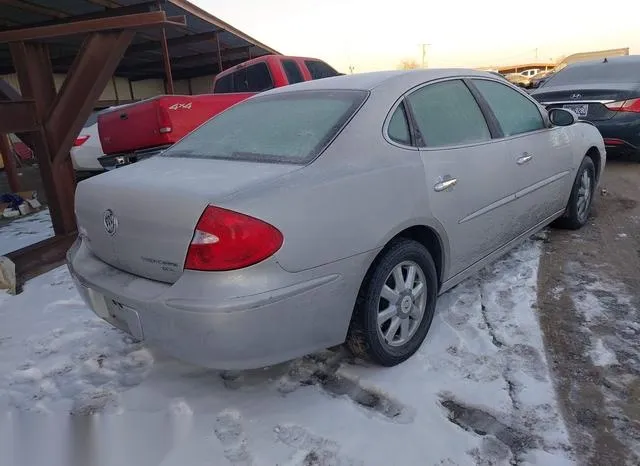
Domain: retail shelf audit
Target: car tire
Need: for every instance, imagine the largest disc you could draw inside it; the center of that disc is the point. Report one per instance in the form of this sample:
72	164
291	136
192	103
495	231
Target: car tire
414	309
577	214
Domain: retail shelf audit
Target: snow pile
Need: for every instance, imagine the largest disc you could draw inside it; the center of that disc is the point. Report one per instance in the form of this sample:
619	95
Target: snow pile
477	392
25	231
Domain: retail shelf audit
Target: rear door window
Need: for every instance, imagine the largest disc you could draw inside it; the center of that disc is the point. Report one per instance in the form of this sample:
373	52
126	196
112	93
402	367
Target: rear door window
319	69
447	114
292	127
291	69
515	113
254	78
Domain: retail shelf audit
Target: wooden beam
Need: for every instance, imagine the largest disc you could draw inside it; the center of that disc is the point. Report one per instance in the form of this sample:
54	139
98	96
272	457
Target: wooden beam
7	92
33	67
166	63
85	81
35	75
18	116
133	21
9	162
219	53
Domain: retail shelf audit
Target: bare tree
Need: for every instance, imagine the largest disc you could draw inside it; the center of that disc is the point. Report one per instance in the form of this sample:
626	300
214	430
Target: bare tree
408	64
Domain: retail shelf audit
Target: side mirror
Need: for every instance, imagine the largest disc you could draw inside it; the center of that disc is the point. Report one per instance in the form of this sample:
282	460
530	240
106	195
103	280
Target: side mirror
562	117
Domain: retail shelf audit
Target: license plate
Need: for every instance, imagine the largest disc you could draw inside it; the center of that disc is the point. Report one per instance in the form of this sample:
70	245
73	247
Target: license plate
579	109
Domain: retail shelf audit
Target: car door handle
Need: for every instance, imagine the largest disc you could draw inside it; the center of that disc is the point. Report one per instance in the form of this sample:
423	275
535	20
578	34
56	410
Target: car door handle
524	158
446	183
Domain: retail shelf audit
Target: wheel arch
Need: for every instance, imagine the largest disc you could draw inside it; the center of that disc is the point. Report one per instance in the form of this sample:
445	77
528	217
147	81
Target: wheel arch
429	236
594	154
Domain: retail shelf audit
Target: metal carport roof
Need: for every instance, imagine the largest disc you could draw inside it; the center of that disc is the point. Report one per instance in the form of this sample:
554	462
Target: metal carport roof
194	50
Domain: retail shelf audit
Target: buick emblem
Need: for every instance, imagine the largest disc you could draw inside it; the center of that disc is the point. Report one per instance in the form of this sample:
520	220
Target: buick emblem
576	96
110	222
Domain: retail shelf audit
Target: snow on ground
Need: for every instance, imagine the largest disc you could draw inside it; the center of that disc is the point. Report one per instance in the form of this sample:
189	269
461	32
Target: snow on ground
477	392
25	231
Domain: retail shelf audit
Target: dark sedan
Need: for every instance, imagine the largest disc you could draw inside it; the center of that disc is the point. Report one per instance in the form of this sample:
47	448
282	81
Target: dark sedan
605	92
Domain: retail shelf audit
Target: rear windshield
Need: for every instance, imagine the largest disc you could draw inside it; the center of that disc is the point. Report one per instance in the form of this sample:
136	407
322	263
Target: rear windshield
254	78
292	127
596	73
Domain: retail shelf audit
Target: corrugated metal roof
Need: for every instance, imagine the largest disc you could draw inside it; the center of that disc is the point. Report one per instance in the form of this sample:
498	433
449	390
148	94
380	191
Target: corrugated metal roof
144	58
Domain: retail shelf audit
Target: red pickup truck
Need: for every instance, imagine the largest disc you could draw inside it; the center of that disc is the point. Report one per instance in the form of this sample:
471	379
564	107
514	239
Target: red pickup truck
139	130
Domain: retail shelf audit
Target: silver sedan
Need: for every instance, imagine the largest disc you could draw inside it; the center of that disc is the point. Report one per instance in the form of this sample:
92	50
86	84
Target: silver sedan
328	211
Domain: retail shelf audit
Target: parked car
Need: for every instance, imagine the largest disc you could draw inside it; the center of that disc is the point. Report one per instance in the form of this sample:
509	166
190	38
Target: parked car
143	129
604	92
87	149
327	211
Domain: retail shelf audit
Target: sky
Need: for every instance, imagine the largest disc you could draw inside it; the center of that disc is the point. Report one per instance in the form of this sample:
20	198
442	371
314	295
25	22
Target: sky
375	36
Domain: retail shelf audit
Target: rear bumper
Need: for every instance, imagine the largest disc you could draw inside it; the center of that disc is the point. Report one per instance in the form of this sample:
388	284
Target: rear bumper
623	129
257	317
110	162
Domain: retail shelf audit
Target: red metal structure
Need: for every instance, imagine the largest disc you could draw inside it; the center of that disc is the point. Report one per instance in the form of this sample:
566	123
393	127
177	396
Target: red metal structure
40	39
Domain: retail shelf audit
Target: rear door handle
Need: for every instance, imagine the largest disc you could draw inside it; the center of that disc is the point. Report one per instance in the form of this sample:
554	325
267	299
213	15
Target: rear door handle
524	158
445	184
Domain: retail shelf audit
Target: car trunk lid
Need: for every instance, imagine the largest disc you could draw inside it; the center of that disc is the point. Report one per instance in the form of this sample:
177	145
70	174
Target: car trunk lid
588	101
141	219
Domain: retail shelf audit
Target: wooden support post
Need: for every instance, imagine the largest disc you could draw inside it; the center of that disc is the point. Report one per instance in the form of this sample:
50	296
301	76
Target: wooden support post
35	75
219	53
91	71
167	62
9	163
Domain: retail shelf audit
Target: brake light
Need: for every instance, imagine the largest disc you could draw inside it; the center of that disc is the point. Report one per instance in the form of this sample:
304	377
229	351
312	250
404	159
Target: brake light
613	142
227	240
80	140
164	120
631	105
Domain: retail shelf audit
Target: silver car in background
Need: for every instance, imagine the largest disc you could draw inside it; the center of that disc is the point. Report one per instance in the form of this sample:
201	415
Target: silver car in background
328	211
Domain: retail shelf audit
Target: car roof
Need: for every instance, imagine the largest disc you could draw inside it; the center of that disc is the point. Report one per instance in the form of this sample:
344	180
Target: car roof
627	59
377	79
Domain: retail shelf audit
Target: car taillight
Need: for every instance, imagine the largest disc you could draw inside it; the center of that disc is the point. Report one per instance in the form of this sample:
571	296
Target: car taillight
227	240
80	140
164	120
631	105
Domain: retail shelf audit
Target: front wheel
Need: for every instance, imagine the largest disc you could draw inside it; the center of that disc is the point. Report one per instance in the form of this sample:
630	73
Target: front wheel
396	304
579	206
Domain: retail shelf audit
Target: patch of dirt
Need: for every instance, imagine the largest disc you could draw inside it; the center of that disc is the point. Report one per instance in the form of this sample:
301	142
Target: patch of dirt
588	308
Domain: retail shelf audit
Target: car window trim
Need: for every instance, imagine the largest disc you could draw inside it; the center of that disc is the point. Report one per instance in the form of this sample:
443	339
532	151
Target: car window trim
492	121
545	118
295	63
421	142
385	127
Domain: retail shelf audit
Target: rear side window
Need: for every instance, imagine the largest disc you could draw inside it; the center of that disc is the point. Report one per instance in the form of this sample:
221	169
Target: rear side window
291	127
515	113
399	127
319	69
447	114
292	71
254	78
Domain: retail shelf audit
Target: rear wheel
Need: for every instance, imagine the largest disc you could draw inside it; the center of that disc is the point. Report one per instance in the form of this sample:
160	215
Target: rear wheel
396	304
579	206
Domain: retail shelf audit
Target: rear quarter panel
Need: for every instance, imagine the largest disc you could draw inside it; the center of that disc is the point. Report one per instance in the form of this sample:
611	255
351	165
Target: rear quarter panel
584	136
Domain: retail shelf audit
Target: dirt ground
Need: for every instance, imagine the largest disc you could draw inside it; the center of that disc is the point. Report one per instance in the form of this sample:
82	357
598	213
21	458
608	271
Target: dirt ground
589	302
